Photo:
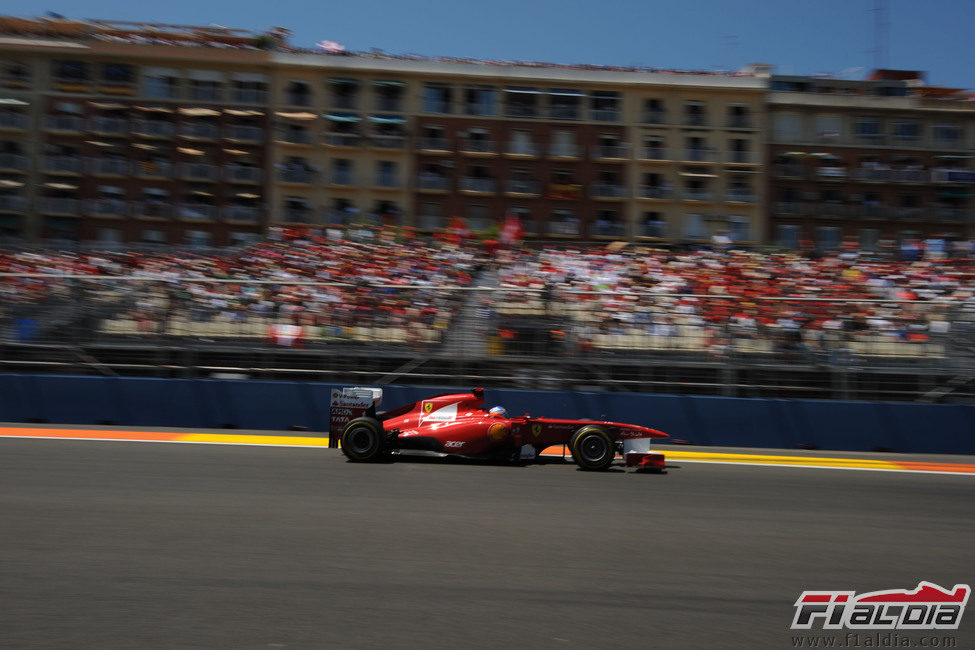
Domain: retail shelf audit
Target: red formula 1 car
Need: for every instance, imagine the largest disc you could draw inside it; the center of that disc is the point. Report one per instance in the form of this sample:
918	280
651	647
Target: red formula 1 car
456	424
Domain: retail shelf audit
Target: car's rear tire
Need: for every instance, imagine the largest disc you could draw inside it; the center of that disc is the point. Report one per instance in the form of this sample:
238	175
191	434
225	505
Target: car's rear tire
592	448
362	440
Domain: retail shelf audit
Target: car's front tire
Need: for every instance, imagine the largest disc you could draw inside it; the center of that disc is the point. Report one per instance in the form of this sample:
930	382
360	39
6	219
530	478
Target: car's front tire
362	440
592	448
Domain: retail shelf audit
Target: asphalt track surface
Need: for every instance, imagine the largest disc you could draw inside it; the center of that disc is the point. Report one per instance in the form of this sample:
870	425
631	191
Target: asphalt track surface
157	545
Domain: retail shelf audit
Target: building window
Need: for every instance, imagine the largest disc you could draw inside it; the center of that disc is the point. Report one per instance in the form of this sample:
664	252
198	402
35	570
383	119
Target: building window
479	100
204	90
386	174
344	93
342	171
828	238
694	226
118	73
695	113
563	222
787	236
563	103
521	101
947	133
654	111
250	92
786	127
198	238
907	130
653	225
868	127
436	98
606	106
829	127
71	71
161	86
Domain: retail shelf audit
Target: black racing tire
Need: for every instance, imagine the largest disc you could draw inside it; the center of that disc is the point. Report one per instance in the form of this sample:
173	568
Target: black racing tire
592	448
362	440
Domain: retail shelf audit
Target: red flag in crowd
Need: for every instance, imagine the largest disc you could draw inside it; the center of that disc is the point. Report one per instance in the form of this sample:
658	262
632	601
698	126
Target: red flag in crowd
458	230
512	231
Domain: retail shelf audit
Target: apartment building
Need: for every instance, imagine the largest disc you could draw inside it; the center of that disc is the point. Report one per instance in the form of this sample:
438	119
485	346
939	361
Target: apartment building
888	158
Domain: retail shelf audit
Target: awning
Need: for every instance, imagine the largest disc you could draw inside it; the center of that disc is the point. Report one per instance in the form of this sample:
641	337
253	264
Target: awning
199	112
248	195
344	81
147	147
155	191
566	93
191	152
389	84
60	186
243	113
99	143
110	189
824	155
108	106
696	175
793	153
296	116
342	117
9	183
386	119
10	101
953	157
153	109
201	193
523	90
237	152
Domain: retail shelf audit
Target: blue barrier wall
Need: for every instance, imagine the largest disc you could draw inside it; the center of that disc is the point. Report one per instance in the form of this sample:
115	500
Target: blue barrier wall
279	405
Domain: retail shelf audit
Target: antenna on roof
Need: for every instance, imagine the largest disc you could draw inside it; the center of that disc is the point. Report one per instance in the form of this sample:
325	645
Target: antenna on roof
881	27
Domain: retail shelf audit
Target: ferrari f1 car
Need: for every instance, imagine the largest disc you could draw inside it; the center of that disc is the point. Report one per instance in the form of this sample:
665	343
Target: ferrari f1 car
455	424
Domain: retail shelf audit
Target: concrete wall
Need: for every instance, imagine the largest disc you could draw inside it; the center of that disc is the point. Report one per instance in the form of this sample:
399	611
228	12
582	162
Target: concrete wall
278	405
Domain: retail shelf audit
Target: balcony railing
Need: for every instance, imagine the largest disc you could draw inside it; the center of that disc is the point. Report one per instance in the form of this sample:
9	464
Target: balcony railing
204	94
12	121
565	151
59	205
655	192
696	195
478	185
517	110
154	128
388	141
245	133
563	227
653	153
695	120
69	164
522	149
197	211
433	144
107	208
478	146
741	196
608	191
700	155
296	137
154	168
605	115
564	112
389	104
387	181
741	157
110	166
296	215
789	171
431	222
344	101
654	117
64	123
13	161
425	182
874	175
479	108
341	178
343	139
200	131
241	174
523	187
241	213
831	173
153	209
739	122
297	99
109	125
250	96
612	229
10	203
611	151
296	176
199	171
910	175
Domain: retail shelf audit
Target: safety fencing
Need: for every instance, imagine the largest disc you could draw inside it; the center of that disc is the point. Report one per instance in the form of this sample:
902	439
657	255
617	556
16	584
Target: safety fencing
281	405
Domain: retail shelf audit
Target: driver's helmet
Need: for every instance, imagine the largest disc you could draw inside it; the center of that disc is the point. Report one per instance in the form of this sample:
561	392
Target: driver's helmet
498	412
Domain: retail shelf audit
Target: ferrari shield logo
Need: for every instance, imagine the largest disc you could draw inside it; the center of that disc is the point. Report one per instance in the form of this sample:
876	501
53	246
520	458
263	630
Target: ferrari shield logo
536	429
427	407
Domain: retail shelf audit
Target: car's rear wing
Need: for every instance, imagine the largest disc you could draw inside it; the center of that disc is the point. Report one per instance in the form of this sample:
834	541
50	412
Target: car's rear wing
348	404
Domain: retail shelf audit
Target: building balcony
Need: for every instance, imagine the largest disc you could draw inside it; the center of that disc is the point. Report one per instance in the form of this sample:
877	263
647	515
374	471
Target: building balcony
564	113
697	195
199	172
480	185
241	174
63	164
346	102
611	229
741	158
152	210
478	146
393	105
960	215
654	117
250	96
739	122
296	137
520	111
343	139
13	162
110	166
200	131
605	115
564	228
343	179
695	120
387	141
431	222
432	144
243	133
607	191
109	125
11	203
654	192
153	169
832	173
870	175
297	99
153	128
387	182
59	205
432	183
67	123
789	171
654	153
740	196
788	208
203	94
297	215
523	187
952	176
910	175
14	121
241	214
197	212
611	151
565	151
107	208
521	149
700	155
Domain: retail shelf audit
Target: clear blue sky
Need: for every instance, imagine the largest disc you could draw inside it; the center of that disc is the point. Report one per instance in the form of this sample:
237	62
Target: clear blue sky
798	36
